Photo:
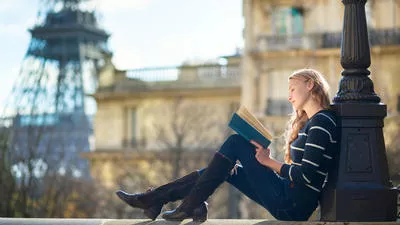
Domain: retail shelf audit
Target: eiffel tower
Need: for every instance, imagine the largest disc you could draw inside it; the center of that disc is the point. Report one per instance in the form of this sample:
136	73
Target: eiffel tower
44	119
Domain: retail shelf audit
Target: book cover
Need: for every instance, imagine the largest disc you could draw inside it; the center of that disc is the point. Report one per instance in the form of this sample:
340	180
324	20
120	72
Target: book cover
246	125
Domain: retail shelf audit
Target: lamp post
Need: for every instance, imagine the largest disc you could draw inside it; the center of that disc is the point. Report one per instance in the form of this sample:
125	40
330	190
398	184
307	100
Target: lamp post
359	188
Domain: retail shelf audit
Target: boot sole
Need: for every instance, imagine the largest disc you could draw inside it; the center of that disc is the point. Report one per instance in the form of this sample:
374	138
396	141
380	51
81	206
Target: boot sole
152	212
200	214
194	219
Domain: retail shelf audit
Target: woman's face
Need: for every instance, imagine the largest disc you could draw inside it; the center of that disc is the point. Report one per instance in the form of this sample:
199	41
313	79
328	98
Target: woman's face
299	92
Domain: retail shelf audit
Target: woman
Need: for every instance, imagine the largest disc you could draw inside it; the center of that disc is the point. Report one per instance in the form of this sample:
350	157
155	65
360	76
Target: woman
289	191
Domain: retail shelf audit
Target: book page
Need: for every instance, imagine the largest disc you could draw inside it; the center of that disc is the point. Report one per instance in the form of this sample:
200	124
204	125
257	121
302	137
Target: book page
252	120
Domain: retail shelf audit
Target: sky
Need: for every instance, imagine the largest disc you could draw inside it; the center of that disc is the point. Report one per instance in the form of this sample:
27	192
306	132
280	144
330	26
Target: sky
144	33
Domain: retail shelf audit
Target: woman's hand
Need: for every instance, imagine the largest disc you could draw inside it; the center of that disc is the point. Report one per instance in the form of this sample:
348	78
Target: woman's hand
262	154
263	157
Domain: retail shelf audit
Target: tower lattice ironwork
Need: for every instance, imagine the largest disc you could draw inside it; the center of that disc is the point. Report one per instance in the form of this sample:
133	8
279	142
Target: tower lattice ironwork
45	118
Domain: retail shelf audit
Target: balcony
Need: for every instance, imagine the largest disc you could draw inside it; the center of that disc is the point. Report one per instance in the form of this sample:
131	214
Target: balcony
181	77
286	42
186	73
312	41
384	37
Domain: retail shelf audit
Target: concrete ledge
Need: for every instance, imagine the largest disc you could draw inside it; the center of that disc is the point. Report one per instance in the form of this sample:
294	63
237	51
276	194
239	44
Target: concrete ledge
37	221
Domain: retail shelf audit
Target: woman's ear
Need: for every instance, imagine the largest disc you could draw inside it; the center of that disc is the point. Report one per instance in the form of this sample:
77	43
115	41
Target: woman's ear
310	84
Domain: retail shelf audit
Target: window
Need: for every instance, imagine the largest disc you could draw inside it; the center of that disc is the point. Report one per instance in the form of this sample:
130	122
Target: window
133	136
287	21
277	103
297	20
278	107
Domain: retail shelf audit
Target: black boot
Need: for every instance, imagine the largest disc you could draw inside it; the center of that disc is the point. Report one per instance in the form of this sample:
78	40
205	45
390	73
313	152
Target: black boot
153	200
216	173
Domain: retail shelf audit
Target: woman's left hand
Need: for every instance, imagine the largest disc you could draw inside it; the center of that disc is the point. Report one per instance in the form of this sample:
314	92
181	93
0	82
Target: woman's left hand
262	154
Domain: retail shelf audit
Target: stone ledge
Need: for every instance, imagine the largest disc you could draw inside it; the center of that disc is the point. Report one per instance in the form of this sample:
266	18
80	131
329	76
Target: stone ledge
39	221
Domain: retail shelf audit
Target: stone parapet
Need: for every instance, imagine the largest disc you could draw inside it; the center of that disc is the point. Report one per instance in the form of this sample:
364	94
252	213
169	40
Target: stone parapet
39	221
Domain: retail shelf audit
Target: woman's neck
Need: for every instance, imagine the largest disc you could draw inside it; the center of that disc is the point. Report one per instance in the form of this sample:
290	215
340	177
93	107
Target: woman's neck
312	109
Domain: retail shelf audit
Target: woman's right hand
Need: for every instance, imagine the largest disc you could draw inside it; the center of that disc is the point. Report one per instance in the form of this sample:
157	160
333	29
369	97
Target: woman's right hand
263	157
262	154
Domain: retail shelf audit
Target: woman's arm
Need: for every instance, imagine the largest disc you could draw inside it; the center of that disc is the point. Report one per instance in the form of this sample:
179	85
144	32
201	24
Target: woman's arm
320	139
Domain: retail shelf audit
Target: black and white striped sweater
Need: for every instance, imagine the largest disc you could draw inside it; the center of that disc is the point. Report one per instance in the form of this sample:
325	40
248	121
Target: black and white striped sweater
313	151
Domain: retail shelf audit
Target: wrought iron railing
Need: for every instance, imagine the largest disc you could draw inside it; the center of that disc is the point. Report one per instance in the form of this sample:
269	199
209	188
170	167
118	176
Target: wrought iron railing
323	40
384	37
285	42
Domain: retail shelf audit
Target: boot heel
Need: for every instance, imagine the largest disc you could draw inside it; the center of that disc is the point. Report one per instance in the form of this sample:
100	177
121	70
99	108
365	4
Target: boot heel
153	212
200	213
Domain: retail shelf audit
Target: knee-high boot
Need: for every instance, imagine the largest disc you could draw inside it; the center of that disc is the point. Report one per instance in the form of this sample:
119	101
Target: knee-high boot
216	173
153	200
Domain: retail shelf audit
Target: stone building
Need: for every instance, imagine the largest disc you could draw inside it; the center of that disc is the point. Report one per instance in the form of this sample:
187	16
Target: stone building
156	124
285	35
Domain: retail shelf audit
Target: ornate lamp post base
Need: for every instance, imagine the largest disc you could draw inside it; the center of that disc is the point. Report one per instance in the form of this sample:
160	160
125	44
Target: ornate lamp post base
359	190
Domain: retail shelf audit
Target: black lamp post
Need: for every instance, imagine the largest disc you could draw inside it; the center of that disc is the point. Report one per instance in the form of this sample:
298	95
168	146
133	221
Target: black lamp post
359	189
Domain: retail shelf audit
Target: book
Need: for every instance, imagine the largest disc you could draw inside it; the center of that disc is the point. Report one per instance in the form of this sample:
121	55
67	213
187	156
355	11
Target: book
246	125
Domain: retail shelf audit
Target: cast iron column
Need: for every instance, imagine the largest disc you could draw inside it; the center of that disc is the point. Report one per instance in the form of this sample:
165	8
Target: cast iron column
359	189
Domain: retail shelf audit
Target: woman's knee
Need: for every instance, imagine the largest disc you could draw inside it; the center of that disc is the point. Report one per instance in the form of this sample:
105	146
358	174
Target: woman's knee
233	144
235	139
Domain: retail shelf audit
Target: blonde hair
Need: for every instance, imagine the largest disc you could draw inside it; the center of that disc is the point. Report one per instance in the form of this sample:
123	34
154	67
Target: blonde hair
298	118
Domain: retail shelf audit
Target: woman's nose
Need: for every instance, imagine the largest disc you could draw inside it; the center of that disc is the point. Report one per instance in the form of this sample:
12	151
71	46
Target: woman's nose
290	98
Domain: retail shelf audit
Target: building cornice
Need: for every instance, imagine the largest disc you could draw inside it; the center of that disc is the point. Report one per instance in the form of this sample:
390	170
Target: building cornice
391	49
181	92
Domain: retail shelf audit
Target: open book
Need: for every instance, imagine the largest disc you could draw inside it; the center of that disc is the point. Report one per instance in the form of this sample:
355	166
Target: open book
247	125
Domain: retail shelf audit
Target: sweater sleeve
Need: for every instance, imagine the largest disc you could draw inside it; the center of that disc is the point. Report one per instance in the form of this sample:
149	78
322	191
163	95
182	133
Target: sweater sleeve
320	136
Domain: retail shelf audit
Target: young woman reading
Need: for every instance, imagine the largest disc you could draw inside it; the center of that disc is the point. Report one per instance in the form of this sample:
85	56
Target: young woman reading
289	191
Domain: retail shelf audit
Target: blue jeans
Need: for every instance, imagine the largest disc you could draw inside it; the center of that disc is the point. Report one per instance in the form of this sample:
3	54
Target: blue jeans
281	197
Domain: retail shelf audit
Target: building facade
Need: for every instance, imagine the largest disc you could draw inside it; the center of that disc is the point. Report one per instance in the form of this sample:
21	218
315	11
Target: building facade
282	36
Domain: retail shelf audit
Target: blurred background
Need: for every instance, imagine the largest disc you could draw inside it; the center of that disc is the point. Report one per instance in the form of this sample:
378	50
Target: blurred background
100	95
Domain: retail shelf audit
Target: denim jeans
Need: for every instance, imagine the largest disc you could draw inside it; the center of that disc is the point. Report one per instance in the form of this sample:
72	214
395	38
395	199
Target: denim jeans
281	197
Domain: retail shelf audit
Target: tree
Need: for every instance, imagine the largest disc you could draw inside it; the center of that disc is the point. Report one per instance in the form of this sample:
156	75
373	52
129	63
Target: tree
7	179
37	178
188	126
184	133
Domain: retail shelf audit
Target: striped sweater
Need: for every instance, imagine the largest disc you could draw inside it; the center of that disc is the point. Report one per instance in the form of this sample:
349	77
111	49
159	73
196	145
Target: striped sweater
313	151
